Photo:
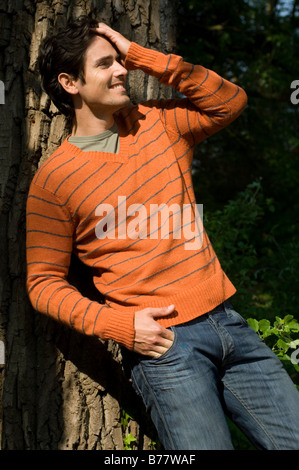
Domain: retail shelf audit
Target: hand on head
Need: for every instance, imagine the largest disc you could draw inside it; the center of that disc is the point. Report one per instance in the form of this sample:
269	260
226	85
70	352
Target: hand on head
121	43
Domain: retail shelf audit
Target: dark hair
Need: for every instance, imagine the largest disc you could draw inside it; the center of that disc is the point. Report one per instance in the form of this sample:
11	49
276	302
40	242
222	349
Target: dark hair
64	52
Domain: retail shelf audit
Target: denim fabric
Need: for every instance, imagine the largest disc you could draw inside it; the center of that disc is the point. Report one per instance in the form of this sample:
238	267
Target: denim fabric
218	365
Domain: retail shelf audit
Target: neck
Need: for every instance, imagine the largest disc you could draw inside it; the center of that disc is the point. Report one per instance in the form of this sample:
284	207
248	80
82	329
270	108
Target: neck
86	124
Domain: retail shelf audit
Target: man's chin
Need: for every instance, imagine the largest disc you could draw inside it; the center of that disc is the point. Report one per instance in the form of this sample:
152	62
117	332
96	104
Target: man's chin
123	103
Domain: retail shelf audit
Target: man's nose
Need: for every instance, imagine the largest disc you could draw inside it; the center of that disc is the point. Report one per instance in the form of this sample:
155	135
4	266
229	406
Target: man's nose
120	69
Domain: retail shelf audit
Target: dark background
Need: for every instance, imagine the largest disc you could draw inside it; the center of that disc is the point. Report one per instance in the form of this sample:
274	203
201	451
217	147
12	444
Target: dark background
247	175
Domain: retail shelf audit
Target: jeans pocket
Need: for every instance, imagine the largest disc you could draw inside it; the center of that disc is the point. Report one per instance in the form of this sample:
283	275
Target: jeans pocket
232	313
155	360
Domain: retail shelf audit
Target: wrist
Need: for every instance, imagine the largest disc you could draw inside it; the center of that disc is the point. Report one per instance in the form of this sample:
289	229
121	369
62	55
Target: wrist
139	57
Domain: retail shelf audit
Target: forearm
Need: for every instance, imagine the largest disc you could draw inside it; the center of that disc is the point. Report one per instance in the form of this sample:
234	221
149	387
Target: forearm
49	246
216	101
61	301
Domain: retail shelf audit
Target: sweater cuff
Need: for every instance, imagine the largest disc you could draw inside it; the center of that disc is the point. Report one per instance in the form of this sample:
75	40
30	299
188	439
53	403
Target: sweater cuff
118	326
150	61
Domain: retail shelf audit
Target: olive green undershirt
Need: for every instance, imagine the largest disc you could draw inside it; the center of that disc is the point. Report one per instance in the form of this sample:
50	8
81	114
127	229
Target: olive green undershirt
107	141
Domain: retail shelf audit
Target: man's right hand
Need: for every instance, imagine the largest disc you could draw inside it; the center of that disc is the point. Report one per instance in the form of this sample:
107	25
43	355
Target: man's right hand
152	339
120	42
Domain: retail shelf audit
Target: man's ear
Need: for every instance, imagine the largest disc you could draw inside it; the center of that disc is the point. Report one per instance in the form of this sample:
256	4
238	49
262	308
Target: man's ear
68	83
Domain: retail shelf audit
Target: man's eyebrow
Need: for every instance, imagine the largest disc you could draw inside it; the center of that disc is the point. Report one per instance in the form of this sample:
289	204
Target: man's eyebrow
107	57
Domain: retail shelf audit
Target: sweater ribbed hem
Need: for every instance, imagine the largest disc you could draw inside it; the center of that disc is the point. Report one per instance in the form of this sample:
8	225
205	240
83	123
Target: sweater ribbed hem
119	327
198	300
189	304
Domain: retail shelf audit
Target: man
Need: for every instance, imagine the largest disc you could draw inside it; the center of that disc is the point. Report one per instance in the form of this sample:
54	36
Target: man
100	195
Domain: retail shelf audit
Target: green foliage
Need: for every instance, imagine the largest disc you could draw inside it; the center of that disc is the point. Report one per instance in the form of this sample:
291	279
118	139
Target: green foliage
239	440
128	438
255	44
245	234
283	338
232	230
246	176
245	241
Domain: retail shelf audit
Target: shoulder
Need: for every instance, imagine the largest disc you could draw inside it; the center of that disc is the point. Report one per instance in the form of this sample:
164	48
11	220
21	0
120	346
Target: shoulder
145	112
55	168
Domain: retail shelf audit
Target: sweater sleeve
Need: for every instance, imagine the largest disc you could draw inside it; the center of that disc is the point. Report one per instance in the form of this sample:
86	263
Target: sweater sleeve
48	247
209	102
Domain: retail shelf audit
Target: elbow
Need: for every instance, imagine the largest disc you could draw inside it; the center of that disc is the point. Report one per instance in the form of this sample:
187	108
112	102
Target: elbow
238	105
35	285
31	291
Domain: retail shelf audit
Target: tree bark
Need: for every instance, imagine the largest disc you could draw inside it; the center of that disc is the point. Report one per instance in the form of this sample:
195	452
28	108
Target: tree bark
59	389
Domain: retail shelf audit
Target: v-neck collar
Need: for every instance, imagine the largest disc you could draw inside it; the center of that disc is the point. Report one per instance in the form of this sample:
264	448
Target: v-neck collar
121	157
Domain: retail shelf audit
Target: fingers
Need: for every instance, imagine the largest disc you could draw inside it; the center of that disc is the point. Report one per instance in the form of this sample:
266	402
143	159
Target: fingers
120	42
153	347
161	311
156	313
151	338
104	29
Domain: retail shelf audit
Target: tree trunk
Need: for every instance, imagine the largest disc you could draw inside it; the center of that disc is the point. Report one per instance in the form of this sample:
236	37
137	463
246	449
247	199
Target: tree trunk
59	389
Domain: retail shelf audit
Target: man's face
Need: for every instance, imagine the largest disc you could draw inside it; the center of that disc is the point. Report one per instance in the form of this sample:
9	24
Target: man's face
104	89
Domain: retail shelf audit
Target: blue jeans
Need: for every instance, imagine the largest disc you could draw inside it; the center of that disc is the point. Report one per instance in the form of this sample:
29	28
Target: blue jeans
218	366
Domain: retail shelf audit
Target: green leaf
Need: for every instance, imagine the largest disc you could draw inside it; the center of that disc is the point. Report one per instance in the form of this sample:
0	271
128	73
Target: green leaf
264	325
282	345
127	440
253	323
288	318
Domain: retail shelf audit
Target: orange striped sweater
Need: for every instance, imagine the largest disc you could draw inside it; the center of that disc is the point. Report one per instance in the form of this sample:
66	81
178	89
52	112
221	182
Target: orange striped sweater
133	268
